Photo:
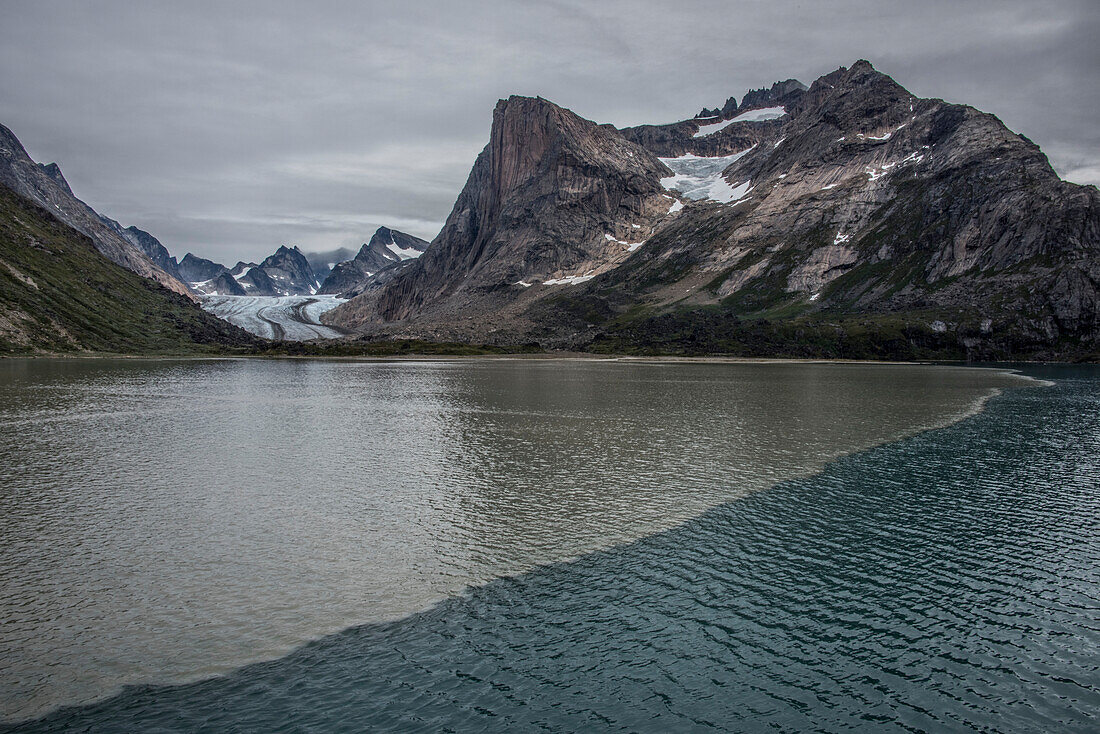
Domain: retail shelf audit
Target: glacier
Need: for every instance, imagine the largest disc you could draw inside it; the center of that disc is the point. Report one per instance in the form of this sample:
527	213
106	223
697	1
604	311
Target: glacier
288	318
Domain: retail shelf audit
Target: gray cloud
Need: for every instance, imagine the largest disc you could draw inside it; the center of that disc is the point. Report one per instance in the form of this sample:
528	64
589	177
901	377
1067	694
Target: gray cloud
230	128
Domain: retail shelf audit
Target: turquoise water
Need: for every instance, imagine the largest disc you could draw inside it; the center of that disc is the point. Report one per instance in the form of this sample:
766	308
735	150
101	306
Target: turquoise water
949	581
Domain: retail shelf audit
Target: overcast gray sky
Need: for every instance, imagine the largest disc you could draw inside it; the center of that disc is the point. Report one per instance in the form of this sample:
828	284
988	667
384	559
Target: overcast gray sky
229	128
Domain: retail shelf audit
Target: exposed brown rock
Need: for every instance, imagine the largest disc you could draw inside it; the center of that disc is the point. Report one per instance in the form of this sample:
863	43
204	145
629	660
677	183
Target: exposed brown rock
539	204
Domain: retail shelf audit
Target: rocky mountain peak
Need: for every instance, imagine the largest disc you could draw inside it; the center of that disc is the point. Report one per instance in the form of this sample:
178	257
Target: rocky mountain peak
196	269
289	270
54	172
779	94
551	196
386	250
10	147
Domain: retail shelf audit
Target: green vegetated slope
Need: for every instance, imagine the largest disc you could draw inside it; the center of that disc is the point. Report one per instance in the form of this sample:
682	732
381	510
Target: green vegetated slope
58	294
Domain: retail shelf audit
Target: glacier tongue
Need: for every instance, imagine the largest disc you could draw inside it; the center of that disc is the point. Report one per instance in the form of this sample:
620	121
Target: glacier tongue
293	318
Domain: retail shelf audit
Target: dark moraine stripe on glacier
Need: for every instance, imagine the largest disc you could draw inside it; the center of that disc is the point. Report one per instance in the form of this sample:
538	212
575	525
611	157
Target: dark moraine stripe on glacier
945	582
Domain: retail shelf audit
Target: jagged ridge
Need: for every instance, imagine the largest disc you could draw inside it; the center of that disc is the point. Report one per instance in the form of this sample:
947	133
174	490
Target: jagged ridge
386	249
859	201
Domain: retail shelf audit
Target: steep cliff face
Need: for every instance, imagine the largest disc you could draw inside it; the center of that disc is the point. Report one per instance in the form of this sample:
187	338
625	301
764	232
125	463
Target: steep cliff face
551	197
386	249
849	218
45	186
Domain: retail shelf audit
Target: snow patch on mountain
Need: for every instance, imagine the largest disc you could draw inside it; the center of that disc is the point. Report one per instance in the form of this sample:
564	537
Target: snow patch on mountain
569	280
698	177
768	113
631	246
403	253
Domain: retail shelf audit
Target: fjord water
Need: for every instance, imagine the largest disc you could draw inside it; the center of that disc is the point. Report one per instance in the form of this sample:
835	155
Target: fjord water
166	521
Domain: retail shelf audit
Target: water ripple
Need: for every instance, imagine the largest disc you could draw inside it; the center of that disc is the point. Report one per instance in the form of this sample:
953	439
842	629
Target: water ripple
946	582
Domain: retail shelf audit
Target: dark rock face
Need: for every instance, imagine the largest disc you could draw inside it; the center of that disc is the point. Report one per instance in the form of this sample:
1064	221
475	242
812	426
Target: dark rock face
152	247
225	284
863	210
551	196
289	273
45	186
386	249
54	172
256	282
197	269
780	94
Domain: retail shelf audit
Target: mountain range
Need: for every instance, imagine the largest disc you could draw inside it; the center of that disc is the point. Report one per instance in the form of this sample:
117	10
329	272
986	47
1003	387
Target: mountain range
846	218
286	272
290	272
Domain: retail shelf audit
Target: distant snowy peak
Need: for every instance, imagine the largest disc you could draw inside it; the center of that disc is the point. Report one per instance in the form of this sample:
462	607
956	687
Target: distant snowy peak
386	249
393	244
195	269
389	246
284	273
222	285
241	268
